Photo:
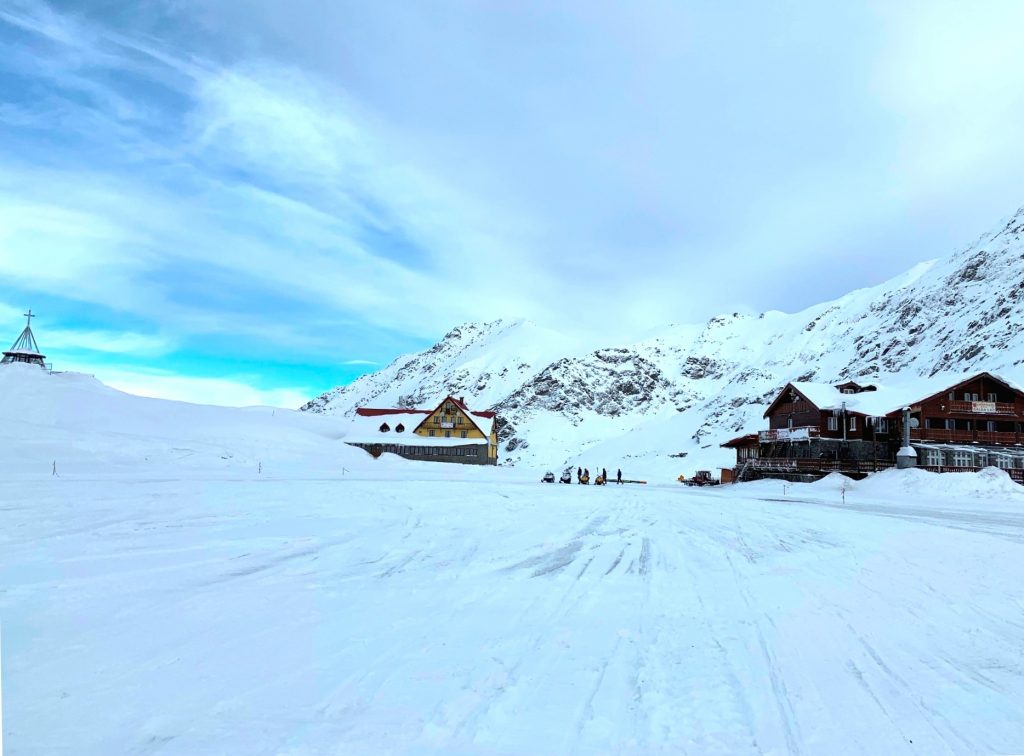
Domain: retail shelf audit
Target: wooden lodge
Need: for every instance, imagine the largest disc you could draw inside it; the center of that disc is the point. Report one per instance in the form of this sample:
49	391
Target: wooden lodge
450	432
814	429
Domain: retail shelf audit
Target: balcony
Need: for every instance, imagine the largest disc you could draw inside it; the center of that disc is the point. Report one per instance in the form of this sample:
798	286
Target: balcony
803	433
964	436
981	408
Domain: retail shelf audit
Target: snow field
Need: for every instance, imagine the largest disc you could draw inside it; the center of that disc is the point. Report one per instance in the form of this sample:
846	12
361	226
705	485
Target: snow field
476	615
201	580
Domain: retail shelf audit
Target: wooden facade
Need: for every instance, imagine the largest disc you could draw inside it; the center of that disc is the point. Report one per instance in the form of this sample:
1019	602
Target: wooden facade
450	432
815	429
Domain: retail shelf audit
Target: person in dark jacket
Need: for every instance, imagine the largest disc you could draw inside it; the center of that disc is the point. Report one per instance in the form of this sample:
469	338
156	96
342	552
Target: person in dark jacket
604	474
618	478
579	474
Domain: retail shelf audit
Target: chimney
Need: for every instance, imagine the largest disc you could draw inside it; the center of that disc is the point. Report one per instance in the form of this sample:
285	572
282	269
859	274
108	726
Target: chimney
462	401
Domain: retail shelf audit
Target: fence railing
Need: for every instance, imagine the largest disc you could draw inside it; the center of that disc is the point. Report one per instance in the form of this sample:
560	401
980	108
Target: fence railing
805	465
986	408
965	436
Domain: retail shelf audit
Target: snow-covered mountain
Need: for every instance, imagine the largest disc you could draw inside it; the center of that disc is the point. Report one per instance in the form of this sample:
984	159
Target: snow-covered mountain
684	390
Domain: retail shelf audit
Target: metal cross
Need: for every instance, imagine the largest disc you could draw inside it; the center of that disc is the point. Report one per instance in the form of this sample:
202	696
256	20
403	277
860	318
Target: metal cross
29	315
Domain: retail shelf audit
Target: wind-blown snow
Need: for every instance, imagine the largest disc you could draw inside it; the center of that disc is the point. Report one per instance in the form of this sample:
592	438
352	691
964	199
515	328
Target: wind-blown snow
155	601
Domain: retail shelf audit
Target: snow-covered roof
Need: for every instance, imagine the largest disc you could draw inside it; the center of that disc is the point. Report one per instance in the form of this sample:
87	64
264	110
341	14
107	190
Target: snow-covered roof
365	428
886	398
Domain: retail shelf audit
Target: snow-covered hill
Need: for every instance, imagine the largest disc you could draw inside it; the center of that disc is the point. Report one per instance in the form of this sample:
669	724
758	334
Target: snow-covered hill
86	428
689	387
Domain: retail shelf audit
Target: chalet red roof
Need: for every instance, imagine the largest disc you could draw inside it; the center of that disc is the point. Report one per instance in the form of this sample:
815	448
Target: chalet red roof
378	411
374	412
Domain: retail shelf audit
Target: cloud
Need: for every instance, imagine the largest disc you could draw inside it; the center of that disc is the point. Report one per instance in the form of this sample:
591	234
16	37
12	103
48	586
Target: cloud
251	181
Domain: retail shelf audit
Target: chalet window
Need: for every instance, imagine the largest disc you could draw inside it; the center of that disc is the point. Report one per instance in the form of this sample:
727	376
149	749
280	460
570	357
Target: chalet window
447	434
991	397
933	458
462	434
950	423
399	428
990	425
437	419
853	423
458	420
962	458
384	428
431	433
1004	461
951	396
473	451
833	423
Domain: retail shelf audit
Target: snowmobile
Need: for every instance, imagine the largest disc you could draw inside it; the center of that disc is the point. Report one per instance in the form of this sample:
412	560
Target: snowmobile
566	477
549	477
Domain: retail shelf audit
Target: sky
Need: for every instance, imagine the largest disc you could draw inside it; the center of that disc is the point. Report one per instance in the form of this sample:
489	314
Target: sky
250	202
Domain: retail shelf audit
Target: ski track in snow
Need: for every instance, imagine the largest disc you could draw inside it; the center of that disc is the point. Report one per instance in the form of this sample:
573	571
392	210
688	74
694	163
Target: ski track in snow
362	616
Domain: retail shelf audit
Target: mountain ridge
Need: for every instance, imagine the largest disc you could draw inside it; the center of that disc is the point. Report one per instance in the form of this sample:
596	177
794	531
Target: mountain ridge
687	388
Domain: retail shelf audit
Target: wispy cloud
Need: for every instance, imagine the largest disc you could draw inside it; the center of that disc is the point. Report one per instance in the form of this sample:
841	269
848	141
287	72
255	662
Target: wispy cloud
332	184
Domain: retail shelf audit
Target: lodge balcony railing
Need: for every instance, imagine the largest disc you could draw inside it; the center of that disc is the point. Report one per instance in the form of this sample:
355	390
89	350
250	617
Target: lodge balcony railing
802	433
985	408
810	464
965	436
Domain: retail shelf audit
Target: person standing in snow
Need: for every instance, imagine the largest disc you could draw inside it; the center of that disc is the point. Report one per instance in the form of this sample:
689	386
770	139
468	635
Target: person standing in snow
604	475
618	478
579	474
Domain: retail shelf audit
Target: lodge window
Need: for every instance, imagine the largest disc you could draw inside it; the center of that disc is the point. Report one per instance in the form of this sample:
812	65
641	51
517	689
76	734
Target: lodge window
462	434
458	420
853	423
833	423
399	428
447	434
933	458
962	459
990	425
881	425
437	419
950	423
991	397
431	433
384	428
1003	461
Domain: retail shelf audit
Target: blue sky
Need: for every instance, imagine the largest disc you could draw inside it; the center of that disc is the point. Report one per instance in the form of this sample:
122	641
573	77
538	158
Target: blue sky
244	202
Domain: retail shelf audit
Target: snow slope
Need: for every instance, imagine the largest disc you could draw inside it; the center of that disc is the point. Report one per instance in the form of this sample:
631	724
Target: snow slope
688	388
155	602
85	427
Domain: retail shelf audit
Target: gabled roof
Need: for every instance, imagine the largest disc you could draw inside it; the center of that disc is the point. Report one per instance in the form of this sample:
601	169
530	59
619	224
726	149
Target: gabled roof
482	421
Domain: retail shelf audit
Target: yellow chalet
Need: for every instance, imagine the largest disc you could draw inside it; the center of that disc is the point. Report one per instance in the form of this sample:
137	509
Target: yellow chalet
451	432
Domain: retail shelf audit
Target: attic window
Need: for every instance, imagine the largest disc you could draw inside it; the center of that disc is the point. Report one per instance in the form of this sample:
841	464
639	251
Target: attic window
384	427
399	428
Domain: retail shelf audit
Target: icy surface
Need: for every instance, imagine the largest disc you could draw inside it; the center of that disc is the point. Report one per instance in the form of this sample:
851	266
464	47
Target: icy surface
329	603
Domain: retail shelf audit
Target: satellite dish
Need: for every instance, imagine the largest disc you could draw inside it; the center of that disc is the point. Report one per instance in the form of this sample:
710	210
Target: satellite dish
914	422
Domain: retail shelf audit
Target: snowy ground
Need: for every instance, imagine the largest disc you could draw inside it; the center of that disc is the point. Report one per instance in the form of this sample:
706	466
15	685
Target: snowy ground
354	615
207	581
